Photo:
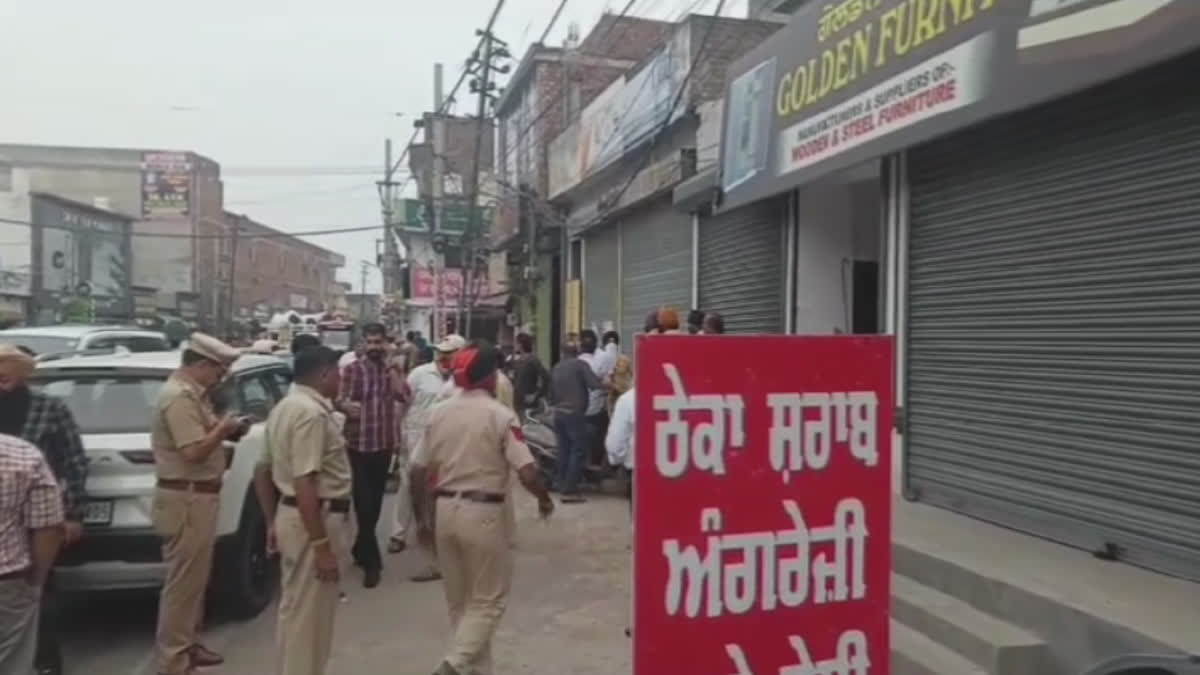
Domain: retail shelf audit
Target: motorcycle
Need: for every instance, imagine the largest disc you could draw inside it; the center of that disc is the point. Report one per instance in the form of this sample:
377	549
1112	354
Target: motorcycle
537	425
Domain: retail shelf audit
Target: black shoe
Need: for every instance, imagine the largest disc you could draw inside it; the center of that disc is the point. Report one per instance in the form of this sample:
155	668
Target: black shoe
48	669
370	577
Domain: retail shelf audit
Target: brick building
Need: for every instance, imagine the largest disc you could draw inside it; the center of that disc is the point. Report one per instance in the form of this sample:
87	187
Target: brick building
272	271
545	94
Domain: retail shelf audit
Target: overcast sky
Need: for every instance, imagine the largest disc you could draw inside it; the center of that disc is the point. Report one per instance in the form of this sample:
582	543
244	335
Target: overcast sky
261	86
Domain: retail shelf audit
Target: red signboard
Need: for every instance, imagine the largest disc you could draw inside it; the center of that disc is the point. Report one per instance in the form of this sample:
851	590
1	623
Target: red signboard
425	285
762	535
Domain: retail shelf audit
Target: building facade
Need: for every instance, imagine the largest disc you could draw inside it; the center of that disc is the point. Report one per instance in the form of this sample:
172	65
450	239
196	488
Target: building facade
1024	177
613	172
170	193
547	92
259	271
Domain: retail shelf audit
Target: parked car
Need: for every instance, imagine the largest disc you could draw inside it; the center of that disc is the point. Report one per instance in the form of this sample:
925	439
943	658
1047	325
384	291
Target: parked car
112	397
57	341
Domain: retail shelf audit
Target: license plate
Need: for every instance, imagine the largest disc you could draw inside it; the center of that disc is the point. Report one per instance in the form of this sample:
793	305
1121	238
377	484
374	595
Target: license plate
98	513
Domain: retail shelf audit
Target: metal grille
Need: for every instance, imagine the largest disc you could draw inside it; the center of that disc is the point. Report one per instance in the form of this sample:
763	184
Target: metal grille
1054	321
600	275
741	267
656	265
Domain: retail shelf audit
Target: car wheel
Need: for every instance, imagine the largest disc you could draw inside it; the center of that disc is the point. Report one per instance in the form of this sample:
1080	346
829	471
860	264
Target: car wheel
246	577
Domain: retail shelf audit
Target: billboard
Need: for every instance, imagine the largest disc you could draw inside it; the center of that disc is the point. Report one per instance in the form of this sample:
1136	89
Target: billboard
851	80
166	184
762	504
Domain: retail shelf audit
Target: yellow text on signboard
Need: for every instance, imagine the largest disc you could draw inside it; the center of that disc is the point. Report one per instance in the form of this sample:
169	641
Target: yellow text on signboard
868	40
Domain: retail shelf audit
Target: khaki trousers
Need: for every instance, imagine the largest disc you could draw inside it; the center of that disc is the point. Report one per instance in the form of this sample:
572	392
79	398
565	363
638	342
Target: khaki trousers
477	567
187	522
307	605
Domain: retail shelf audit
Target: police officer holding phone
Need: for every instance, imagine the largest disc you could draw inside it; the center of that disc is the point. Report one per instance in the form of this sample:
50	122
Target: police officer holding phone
188	440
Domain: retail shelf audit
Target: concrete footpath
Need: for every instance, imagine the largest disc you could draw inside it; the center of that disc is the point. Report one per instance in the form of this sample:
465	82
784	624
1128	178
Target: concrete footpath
567	612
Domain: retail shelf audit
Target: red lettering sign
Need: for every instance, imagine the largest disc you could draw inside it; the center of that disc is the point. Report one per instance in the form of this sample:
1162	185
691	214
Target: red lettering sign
762	536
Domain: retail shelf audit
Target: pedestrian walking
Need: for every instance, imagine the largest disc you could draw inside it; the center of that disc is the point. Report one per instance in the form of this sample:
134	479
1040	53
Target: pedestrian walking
571	384
602	361
305	469
714	324
187	439
472	445
48	424
31	519
429	384
370	388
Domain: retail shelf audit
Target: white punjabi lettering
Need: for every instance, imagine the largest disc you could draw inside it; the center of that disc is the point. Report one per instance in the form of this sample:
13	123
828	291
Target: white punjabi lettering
678	446
851	657
797	443
760	575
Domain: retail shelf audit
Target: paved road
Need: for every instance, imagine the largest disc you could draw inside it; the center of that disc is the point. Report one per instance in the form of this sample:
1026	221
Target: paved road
566	615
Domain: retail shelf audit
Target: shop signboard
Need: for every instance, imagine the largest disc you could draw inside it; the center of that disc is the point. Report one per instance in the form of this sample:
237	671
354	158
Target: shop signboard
762	504
851	80
413	216
166	184
424	285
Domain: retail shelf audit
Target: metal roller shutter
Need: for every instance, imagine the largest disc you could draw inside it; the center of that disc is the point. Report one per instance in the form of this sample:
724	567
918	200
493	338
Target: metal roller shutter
1054	321
741	264
656	264
600	280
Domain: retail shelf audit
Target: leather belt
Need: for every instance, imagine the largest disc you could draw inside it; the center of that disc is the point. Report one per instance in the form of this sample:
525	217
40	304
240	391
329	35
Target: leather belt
471	496
334	505
210	487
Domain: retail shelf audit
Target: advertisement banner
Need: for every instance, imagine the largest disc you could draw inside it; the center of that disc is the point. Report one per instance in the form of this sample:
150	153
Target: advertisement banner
424	286
762	497
852	80
166	184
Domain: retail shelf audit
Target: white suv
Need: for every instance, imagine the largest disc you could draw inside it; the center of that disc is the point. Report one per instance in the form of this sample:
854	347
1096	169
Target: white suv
112	397
64	340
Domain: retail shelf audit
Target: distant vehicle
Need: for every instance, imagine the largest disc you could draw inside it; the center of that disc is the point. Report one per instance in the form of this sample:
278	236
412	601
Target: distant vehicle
336	334
112	398
49	342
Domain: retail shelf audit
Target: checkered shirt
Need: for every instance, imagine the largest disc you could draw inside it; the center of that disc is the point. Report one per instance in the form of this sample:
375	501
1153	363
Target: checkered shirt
367	383
29	500
51	427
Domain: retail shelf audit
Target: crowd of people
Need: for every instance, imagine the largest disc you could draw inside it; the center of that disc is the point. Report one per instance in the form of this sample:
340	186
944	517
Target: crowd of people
442	422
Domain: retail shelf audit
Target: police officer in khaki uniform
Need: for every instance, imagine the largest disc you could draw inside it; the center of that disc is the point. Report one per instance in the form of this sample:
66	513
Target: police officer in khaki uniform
305	470
189	460
472	444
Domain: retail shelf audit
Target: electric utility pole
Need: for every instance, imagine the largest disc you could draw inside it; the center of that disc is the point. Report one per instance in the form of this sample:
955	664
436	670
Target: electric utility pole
438	190
482	66
387	196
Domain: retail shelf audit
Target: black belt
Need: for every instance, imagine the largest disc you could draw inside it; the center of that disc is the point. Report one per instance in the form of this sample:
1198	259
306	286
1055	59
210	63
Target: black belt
471	496
335	505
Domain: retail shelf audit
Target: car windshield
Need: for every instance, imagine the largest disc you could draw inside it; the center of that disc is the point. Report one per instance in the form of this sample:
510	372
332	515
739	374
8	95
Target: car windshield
105	404
336	339
40	344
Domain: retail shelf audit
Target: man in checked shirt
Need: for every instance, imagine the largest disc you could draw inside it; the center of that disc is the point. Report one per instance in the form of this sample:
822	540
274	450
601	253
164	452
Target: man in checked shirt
47	423
31	517
370	388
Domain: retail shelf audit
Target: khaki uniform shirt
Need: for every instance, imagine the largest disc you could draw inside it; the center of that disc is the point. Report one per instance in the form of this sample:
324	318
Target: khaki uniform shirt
504	390
183	415
304	436
474	441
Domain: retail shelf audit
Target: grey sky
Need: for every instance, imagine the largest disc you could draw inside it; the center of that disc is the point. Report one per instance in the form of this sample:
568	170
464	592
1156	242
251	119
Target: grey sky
261	85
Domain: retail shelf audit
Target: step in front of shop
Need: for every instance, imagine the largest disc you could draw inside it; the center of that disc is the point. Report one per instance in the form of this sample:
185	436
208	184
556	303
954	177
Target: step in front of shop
935	633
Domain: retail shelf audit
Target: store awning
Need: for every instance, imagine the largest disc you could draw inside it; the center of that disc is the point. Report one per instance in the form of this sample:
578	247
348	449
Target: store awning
697	192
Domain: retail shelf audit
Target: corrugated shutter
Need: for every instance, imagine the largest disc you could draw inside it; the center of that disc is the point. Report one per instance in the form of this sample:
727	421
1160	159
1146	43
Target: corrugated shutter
741	267
600	275
1054	321
656	264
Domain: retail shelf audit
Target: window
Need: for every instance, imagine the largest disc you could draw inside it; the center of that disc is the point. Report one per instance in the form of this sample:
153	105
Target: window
40	344
105	404
144	343
283	381
101	343
257	397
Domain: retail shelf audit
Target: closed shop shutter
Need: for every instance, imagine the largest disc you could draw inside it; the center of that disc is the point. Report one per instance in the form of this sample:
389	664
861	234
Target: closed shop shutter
656	265
1054	321
741	267
600	275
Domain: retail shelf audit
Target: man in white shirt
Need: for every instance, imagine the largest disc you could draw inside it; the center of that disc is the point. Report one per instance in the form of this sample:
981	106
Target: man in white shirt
602	362
429	384
618	442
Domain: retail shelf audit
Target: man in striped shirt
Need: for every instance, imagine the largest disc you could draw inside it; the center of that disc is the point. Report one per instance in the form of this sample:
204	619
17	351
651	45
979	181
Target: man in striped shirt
371	386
